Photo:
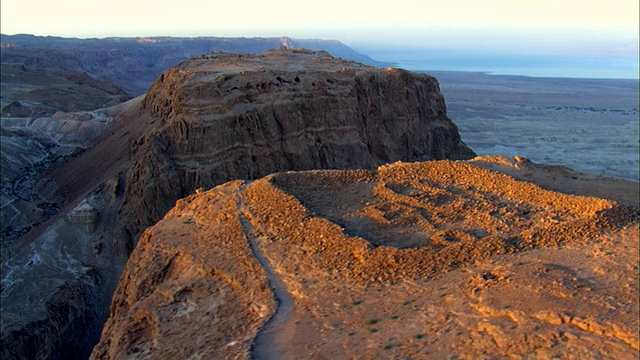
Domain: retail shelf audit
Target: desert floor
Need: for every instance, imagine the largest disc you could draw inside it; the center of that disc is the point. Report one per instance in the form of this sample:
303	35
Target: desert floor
590	126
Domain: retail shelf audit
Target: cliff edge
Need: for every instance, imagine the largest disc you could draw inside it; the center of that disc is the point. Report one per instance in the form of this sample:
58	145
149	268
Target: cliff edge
242	116
412	260
206	121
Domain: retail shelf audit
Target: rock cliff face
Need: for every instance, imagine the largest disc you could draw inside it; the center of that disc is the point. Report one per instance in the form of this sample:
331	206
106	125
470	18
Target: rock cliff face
227	117
208	120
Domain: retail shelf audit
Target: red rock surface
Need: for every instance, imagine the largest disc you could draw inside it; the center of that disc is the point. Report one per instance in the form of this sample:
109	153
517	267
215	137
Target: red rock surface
415	260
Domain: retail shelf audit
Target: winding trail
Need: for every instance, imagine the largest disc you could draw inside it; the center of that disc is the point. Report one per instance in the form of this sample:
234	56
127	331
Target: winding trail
274	337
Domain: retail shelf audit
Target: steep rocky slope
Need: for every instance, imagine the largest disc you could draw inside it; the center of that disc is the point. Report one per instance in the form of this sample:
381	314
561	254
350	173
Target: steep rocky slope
30	148
57	280
227	116
207	121
414	260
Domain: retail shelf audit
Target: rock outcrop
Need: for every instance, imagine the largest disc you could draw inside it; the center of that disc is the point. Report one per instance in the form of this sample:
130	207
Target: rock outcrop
390	240
207	121
84	216
230	116
15	109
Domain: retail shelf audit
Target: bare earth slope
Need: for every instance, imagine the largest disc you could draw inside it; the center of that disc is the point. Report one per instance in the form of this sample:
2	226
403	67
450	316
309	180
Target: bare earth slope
414	260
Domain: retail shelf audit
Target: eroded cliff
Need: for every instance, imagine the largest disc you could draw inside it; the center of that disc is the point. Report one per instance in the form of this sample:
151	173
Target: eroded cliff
206	121
229	116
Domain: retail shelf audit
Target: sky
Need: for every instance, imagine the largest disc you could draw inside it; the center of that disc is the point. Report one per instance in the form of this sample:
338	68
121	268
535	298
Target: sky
584	27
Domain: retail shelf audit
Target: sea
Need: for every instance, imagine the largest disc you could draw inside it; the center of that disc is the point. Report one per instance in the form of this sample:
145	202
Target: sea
611	66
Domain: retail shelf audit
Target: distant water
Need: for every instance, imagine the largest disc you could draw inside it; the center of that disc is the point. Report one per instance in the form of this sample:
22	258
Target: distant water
593	67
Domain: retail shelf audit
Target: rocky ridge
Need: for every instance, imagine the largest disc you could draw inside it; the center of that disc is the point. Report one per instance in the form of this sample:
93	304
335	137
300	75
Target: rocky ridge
361	252
209	120
134	63
32	94
229	116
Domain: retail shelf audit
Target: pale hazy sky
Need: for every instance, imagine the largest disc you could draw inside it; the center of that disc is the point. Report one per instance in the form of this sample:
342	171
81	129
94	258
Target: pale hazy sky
502	25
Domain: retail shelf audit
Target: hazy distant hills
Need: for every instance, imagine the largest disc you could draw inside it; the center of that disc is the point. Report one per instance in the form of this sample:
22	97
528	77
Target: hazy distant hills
134	63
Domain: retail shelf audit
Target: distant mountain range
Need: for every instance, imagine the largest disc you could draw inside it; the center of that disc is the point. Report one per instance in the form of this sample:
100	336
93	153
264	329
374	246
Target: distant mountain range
134	63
